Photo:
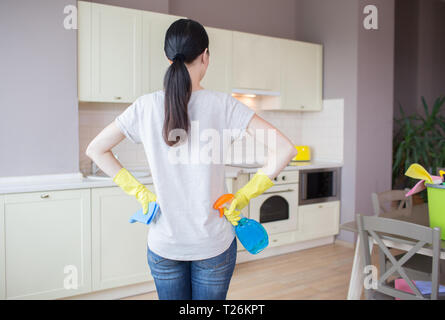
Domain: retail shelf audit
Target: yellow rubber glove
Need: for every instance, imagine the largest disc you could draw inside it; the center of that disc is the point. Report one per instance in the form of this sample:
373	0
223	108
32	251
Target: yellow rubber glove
256	186
132	186
232	216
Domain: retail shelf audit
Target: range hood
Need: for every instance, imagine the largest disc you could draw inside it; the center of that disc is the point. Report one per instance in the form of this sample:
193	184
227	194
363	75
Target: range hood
254	92
258	99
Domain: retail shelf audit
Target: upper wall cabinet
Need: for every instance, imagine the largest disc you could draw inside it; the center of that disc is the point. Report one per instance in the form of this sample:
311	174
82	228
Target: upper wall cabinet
219	72
110	52
121	56
301	76
256	62
154	61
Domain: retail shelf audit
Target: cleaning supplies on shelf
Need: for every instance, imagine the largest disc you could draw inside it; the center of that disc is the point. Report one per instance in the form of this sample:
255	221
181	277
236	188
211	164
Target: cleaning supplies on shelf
139	216
436	207
250	233
436	194
416	171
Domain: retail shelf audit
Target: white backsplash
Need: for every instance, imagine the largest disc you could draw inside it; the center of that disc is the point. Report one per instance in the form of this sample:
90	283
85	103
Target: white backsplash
322	131
93	118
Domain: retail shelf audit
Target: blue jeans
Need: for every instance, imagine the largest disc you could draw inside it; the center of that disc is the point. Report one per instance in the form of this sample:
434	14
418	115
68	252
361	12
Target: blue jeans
206	279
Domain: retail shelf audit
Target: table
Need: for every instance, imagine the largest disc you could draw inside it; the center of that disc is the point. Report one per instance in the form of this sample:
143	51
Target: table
417	214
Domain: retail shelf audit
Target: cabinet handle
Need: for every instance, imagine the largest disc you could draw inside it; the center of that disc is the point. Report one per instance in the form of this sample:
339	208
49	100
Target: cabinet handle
44	195
302	107
274	240
117	98
320	206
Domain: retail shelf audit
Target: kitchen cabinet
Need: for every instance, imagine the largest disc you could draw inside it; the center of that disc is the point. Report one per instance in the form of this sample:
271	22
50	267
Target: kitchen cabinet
119	248
121	56
301	76
154	61
110	53
280	239
256	62
229	185
219	72
46	250
319	220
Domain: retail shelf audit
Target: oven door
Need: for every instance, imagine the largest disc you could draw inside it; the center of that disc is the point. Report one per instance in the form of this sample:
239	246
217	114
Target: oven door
276	209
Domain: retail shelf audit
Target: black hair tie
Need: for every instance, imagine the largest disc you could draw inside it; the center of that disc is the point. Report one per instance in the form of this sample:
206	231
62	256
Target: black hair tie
179	56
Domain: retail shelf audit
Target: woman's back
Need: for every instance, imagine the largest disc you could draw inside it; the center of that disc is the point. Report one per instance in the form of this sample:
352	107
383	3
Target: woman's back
188	177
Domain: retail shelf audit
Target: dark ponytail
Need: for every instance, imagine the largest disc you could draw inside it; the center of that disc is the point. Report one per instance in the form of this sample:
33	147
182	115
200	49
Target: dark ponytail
185	40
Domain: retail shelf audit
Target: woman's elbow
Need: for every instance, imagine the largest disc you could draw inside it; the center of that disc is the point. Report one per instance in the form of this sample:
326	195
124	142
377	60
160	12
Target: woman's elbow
291	152
90	152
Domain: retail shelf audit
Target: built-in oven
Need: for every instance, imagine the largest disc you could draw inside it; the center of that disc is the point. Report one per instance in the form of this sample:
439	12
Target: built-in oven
319	185
277	208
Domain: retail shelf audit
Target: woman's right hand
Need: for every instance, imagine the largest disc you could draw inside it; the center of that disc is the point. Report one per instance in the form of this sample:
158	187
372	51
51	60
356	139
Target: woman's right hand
232	214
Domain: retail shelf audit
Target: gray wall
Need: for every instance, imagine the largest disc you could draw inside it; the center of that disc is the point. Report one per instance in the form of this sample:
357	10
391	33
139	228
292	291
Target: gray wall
405	62
336	27
38	89
375	96
358	66
419	53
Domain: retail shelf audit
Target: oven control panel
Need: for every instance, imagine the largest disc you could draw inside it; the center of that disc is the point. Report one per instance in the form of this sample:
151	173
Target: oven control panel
285	177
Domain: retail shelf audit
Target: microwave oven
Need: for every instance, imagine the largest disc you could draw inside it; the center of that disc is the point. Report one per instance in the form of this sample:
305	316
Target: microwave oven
319	185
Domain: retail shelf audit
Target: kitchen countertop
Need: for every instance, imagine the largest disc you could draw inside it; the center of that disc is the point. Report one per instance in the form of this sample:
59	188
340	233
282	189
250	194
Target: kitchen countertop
77	181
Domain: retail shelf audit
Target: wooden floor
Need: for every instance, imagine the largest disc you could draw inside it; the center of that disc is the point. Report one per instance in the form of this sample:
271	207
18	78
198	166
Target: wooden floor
320	273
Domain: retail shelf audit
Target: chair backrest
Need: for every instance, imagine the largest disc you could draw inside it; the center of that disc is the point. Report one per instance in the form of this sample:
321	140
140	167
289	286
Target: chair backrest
382	229
383	202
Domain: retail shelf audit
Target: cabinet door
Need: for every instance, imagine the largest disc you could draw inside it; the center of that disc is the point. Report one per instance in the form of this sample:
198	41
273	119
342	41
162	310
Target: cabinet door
47	239
154	61
256	62
301	76
119	247
84	51
319	220
116	48
218	75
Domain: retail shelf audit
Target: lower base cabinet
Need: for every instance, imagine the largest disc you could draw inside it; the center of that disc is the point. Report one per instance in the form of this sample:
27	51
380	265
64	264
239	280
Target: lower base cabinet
318	220
64	243
119	248
46	252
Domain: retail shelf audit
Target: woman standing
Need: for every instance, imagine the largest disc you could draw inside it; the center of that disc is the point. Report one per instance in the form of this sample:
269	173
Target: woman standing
191	251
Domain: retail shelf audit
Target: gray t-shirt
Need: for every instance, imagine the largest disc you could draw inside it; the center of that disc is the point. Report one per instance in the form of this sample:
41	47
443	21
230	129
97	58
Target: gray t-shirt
186	182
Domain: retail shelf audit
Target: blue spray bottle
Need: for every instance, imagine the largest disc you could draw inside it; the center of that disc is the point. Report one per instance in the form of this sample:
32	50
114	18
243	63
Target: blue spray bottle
250	233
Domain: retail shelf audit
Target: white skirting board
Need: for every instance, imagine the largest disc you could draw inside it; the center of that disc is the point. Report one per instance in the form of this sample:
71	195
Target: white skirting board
243	256
118	293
